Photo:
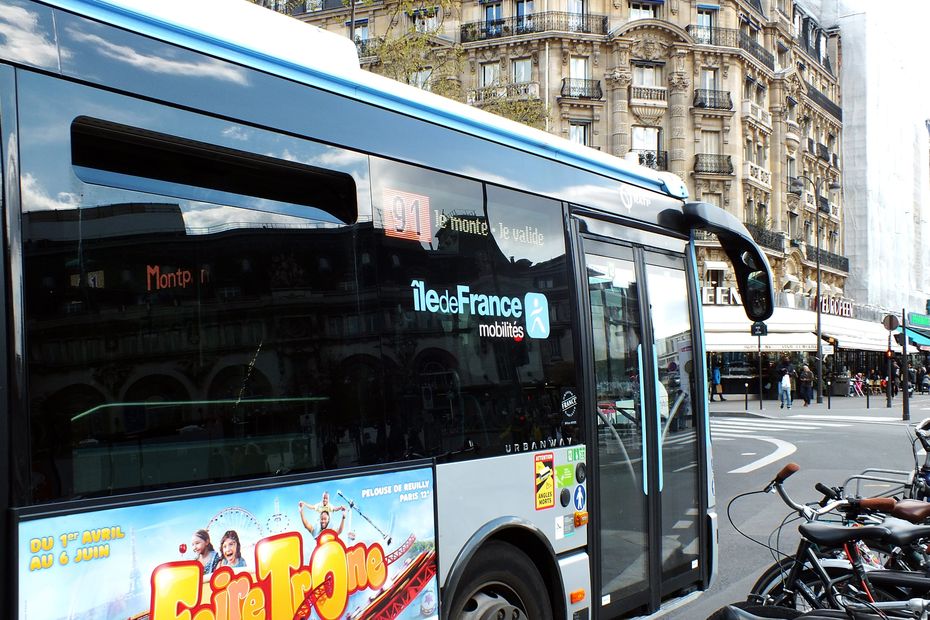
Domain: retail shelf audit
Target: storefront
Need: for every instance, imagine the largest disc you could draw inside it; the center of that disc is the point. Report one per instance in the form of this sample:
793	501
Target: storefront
849	345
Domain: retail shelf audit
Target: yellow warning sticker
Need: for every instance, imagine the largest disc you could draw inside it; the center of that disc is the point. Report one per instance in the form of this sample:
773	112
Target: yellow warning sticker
545	481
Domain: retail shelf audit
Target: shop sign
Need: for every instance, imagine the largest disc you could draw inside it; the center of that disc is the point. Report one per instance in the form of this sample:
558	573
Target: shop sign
720	296
836	306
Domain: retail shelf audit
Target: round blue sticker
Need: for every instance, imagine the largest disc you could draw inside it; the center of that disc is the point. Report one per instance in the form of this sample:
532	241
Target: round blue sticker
580	496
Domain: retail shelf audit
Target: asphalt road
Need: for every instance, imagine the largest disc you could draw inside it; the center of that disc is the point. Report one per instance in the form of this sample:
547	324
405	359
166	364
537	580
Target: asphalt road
749	449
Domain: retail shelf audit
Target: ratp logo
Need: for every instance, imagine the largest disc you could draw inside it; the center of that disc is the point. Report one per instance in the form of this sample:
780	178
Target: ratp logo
536	307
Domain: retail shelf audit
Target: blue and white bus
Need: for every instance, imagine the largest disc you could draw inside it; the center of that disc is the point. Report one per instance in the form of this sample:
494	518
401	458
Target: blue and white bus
289	340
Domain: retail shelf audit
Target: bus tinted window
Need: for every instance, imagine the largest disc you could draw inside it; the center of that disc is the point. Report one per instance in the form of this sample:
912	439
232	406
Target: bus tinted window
479	351
172	340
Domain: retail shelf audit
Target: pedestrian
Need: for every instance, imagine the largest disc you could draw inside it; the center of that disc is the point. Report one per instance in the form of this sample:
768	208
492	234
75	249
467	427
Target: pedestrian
784	388
716	385
806	384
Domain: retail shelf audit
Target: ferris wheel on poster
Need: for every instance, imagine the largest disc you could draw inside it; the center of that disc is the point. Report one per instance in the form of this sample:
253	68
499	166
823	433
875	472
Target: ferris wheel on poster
242	522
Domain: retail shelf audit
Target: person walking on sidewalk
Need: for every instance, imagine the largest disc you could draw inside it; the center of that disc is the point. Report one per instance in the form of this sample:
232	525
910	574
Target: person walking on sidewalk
716	386
806	384
784	389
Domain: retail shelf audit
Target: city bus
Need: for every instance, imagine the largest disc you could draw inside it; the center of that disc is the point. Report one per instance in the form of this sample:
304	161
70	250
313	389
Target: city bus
286	339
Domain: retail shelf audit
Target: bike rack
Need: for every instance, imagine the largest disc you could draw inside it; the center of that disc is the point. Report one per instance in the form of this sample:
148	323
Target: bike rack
868	474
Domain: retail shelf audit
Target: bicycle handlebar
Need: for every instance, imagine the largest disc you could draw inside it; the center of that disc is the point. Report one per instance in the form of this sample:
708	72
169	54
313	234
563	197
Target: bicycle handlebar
881	504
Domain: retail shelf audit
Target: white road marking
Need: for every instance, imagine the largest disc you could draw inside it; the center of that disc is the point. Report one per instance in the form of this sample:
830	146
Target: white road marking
685	467
850	418
782	449
681	525
748	454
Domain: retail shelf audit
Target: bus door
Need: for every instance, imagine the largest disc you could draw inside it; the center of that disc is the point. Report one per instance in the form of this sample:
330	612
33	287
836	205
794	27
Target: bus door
646	502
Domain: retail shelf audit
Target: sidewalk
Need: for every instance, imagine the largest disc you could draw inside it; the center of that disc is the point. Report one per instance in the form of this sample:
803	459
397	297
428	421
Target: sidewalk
838	406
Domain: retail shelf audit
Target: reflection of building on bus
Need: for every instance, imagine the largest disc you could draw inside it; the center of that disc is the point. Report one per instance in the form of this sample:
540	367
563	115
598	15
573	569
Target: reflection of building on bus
261	349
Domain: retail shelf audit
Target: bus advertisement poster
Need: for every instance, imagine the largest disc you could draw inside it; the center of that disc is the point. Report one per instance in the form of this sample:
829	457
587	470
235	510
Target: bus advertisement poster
361	547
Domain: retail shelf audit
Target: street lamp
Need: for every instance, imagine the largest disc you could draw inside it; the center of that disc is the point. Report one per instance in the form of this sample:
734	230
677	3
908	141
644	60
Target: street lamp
796	187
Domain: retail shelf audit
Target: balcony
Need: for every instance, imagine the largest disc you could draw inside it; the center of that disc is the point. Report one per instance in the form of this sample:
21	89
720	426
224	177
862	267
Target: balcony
770	239
792	132
657	160
756	51
828	259
513	91
729	37
368	47
757	113
823	152
550	21
706	163
758	174
824	102
575	88
709	35
712	99
649	93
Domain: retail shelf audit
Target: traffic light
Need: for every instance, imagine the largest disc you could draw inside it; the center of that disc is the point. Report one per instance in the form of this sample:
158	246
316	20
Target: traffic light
899	338
889	354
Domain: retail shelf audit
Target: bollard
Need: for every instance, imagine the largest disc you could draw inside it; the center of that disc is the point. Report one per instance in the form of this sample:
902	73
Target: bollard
868	390
746	385
829	394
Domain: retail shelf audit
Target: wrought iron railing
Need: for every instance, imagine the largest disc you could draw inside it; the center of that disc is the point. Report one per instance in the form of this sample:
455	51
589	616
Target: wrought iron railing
538	22
657	160
709	35
713	99
823	152
730	37
756	51
771	239
824	102
713	164
581	89
511	91
368	47
828	258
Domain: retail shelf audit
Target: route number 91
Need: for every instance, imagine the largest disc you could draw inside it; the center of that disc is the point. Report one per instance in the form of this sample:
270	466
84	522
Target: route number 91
406	215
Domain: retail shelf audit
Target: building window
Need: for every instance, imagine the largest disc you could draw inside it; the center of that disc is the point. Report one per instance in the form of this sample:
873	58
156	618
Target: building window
490	74
647	75
760	94
361	30
792	110
578	68
709	79
761	158
710	142
426	20
522	70
420	79
492	19
808	232
791	170
642	10
792	225
579	132
748	88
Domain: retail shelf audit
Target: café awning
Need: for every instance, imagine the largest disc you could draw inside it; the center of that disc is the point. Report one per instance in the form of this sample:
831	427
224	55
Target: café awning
727	342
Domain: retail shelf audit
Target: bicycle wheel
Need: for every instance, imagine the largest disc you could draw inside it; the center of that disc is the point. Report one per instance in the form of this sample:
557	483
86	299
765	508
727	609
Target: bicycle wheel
770	588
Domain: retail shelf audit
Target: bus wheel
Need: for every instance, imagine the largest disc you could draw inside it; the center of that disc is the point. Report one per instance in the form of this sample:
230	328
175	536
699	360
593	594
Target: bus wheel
501	582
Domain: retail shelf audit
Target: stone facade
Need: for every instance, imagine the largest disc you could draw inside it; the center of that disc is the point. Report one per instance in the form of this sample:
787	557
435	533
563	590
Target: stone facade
734	96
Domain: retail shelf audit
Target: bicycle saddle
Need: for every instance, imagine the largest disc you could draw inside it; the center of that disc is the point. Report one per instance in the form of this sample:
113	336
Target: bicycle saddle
903	532
833	535
741	611
913	510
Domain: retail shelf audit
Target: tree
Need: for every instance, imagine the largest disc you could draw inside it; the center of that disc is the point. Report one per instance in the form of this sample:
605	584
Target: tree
413	48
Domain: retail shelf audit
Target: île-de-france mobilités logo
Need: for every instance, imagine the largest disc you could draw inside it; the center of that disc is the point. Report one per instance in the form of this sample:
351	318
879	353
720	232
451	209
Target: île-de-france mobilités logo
503	310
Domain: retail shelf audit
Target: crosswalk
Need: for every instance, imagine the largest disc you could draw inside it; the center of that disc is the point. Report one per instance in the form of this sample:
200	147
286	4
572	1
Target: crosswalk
762	429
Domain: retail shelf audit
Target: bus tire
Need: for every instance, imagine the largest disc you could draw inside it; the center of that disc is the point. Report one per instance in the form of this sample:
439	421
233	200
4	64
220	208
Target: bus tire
501	578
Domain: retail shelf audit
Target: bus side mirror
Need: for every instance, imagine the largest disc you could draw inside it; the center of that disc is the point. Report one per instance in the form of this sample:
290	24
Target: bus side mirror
753	274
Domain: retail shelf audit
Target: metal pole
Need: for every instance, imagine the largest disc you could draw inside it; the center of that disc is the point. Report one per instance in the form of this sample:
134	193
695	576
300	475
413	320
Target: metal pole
819	335
746	384
829	394
760	372
868	390
888	374
905	373
352	22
